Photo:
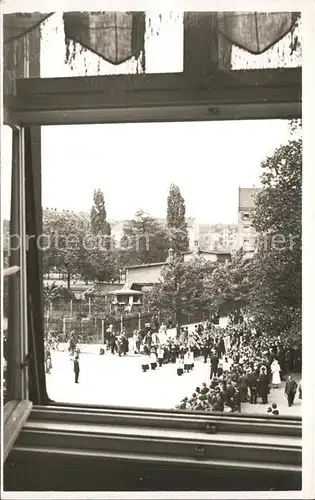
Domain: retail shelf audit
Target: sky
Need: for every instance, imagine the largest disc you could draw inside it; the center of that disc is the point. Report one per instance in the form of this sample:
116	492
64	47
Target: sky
134	164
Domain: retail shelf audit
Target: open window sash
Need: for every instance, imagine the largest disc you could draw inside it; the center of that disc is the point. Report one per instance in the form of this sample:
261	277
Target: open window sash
17	407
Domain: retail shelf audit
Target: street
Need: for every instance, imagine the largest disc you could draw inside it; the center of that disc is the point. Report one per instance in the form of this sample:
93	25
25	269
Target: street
119	381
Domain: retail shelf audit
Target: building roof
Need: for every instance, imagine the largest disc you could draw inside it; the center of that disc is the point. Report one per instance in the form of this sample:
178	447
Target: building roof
53	214
102	289
127	291
146	265
213	252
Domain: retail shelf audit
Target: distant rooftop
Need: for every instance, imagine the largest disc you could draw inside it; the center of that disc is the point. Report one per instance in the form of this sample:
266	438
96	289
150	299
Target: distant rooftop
211	252
146	265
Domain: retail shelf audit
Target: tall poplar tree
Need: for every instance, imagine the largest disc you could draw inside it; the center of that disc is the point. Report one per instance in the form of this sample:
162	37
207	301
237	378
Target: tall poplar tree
99	224
176	222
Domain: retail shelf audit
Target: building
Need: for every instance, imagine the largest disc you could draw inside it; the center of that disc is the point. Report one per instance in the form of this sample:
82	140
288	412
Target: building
143	277
193	231
211	256
53	213
246	236
117	230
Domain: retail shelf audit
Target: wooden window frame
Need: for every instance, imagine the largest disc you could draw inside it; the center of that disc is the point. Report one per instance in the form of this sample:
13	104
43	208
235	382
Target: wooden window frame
248	94
253	94
17	407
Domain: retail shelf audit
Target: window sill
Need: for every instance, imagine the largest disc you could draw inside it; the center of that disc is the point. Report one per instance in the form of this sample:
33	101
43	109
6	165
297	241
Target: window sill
170	419
74	433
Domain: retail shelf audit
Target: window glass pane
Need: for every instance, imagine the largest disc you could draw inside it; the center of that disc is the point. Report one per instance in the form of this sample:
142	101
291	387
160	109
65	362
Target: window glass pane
109	237
20	56
6	174
287	53
163	35
44	52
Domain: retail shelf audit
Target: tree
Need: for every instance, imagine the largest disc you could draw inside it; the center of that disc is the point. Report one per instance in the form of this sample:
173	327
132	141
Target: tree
144	241
100	262
182	288
99	224
276	276
53	293
70	248
62	245
228	286
176	222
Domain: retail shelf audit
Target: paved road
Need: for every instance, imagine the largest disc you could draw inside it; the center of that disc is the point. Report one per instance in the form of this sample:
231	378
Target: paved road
113	381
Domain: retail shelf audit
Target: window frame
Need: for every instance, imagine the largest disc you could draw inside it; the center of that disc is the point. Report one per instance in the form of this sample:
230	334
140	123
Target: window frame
17	407
139	98
169	97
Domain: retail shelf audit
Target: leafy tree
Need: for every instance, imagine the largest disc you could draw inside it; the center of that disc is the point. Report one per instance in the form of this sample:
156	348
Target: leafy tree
62	245
228	286
99	224
144	241
71	249
182	288
53	293
295	126
100	263
176	222
276	276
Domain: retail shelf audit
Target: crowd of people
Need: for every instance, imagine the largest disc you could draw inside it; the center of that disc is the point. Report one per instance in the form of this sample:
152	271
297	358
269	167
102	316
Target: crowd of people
244	366
243	363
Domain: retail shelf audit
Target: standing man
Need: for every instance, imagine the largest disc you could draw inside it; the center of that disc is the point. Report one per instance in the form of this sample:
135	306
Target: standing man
112	341
221	348
252	382
76	368
263	386
214	361
290	390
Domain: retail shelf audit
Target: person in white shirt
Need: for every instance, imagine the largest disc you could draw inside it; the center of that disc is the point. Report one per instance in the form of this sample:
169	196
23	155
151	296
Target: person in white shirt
160	355
180	366
145	361
154	338
162	337
186	362
226	364
153	360
275	370
191	360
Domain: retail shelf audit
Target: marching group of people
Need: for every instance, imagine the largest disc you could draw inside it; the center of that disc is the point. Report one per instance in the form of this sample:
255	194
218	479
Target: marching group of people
244	366
156	346
159	348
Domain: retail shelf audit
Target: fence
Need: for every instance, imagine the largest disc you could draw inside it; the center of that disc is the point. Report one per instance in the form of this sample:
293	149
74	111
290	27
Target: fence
63	317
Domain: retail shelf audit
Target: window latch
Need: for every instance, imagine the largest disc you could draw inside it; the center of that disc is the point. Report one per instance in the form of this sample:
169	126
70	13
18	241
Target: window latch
211	428
199	451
